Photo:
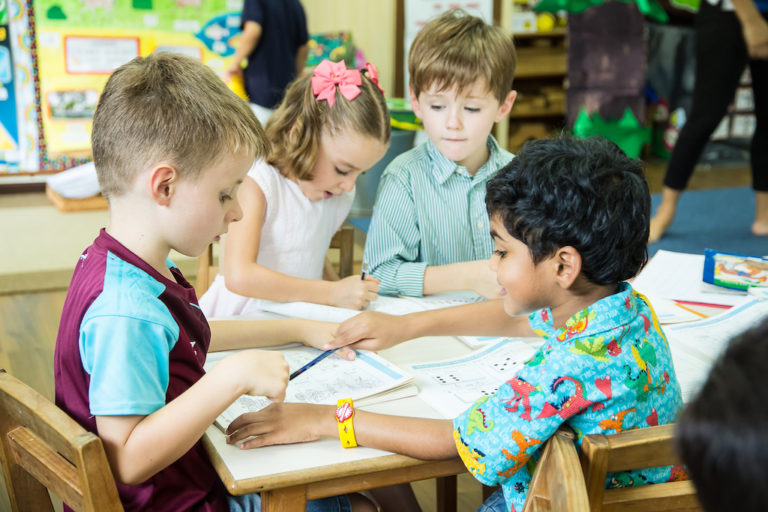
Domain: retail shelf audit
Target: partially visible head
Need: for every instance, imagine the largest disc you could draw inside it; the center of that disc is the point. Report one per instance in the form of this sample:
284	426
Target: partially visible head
722	434
305	129
172	109
582	193
456	51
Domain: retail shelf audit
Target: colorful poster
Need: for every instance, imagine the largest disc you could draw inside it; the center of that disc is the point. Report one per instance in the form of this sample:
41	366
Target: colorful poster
18	115
80	42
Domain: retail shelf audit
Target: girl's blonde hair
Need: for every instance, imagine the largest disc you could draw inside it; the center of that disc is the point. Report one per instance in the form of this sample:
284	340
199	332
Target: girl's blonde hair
294	130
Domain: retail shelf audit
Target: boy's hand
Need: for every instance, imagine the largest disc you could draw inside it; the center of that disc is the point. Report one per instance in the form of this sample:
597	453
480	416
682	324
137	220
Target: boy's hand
282	423
353	292
261	372
320	334
482	280
368	330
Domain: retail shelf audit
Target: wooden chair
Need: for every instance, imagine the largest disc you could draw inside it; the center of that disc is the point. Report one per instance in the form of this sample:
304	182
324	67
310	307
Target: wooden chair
634	449
343	240
43	449
557	484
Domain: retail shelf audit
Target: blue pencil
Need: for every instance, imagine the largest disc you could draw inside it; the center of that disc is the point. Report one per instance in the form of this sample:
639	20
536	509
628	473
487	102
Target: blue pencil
312	363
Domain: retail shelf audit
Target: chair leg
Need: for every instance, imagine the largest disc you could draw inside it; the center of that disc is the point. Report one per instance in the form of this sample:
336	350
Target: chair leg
446	493
346	251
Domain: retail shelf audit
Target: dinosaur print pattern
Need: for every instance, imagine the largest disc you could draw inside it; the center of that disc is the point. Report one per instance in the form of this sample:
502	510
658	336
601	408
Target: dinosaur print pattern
607	369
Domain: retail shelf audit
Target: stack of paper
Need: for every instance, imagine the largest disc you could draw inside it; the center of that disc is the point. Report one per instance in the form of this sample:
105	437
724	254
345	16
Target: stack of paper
368	379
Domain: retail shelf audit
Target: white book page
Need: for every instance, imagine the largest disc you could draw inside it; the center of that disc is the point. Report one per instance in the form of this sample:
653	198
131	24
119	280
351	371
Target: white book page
451	386
679	276
327	381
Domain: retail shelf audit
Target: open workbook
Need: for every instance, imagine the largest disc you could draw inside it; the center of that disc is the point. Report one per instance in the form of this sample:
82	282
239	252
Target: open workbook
368	379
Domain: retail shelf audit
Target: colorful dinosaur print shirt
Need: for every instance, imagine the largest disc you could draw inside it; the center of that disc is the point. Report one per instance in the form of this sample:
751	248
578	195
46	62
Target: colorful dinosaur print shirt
607	370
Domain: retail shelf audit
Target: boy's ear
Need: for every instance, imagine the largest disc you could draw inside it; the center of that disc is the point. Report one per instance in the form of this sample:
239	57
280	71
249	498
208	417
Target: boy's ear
567	261
162	181
506	105
414	103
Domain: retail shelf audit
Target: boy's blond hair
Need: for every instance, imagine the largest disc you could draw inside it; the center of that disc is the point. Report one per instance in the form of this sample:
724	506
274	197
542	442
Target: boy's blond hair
294	130
456	49
170	108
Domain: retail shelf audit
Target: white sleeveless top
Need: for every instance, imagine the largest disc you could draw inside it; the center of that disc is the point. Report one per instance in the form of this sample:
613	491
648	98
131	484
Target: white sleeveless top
294	237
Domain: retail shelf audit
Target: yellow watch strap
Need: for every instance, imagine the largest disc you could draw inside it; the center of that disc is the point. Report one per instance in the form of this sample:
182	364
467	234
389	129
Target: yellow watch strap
345	411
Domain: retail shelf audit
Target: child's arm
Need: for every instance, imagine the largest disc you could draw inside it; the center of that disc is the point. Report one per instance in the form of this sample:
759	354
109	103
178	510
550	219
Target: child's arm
467	275
238	334
246	277
393	246
293	423
139	446
375	331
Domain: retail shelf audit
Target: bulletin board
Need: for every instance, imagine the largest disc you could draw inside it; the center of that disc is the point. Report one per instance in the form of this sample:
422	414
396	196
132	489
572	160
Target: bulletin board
74	45
413	14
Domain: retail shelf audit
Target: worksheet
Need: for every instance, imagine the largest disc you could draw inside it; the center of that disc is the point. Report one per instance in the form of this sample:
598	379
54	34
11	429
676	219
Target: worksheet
451	386
709	337
368	379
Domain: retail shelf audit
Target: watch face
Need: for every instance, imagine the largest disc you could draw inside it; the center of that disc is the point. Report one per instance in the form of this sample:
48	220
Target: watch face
344	412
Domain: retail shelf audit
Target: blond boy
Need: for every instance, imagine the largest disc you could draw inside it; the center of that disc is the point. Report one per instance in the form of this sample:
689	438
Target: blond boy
171	146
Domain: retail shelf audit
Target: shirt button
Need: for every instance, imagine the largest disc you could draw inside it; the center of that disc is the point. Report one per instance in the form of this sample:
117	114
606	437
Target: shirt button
479	224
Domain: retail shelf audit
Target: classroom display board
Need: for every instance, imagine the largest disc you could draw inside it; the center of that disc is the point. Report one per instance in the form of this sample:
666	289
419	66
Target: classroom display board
72	46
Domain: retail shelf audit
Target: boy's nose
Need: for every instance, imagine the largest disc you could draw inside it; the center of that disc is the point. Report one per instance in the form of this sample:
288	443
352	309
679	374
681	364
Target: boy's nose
454	120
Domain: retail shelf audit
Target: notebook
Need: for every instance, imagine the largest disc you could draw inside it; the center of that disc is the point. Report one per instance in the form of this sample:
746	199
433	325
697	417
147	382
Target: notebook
367	380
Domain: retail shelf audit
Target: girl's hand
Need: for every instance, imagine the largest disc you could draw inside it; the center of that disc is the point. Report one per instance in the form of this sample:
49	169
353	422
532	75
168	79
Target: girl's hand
353	292
260	372
369	330
282	423
481	279
320	334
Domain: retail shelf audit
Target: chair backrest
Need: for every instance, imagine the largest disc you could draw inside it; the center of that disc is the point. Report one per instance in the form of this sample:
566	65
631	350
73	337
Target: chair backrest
343	240
634	449
557	483
43	449
206	271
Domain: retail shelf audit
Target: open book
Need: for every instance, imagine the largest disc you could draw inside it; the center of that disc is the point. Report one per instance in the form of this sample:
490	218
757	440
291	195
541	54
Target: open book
368	379
389	305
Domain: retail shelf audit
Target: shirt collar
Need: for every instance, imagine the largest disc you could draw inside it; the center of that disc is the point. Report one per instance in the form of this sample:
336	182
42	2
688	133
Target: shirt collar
606	314
443	167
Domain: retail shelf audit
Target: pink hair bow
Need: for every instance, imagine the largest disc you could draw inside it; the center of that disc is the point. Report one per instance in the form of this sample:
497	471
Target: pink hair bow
373	74
328	75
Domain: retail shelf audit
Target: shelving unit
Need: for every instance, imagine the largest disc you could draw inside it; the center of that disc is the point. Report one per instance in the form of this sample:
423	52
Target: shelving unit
540	84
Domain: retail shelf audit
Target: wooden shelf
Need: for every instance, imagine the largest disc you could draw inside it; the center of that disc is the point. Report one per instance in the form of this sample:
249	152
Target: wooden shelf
64	204
541	62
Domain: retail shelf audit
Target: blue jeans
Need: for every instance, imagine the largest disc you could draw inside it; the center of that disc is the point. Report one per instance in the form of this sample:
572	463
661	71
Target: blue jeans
494	503
252	503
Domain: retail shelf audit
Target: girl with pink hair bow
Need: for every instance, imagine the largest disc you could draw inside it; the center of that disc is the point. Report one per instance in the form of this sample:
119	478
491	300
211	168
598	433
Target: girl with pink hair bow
330	128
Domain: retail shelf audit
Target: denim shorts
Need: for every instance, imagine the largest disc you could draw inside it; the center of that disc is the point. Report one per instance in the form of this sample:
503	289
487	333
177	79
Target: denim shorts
494	503
252	503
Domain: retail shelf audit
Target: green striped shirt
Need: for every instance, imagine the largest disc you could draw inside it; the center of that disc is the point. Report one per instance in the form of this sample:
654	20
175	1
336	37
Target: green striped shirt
429	211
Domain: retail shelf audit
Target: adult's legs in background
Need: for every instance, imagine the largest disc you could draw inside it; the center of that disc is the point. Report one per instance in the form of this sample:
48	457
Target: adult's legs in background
759	147
721	56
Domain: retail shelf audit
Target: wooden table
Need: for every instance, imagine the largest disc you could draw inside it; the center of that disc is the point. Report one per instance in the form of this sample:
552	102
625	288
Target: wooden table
286	486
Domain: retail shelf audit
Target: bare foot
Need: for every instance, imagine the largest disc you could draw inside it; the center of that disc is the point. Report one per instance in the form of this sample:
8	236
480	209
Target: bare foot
659	224
760	228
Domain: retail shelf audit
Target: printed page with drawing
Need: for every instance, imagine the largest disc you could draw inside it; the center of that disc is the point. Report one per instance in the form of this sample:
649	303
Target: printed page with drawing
368	379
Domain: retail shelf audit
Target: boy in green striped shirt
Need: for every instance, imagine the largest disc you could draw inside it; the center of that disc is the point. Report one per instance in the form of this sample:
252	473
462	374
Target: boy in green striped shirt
429	231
